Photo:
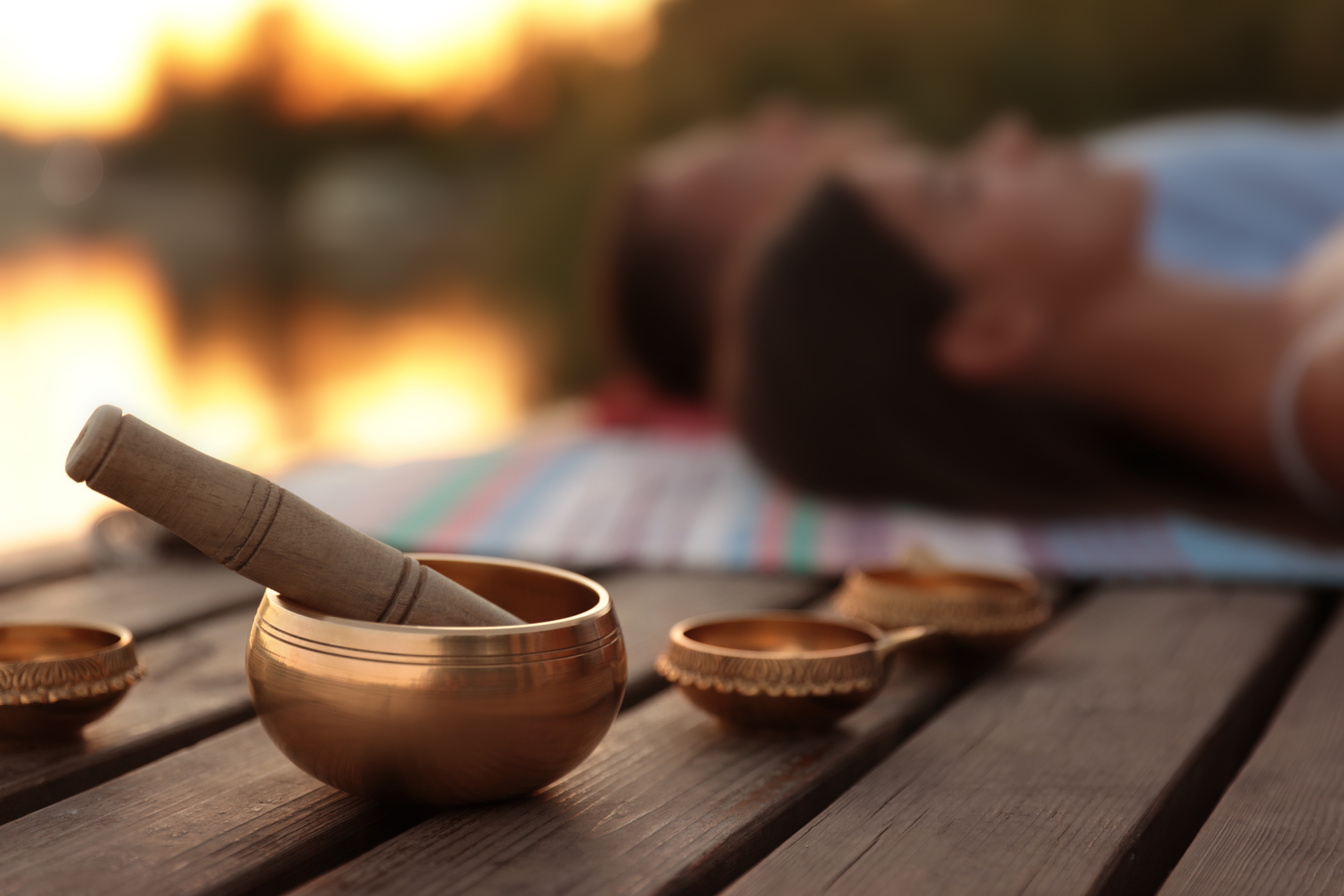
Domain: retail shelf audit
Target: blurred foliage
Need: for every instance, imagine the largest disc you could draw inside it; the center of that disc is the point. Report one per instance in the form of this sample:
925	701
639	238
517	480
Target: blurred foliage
550	146
942	67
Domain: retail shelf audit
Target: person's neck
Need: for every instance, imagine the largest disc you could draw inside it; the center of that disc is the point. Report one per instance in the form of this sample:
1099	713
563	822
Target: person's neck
1188	360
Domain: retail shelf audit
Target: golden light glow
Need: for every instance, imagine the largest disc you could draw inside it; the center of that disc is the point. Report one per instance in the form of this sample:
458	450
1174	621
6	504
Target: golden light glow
84	65
443	58
77	329
438	377
204	41
225	391
89	68
357	54
83	326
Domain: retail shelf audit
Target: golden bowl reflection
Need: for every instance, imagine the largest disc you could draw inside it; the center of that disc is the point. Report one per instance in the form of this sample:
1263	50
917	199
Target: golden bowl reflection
780	670
55	678
444	715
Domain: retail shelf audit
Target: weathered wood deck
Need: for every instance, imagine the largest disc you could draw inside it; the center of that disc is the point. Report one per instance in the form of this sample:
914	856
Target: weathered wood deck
1175	739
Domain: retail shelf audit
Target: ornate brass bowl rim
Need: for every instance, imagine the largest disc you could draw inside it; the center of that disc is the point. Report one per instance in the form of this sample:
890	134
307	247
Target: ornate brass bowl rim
391	641
75	676
957	600
775	673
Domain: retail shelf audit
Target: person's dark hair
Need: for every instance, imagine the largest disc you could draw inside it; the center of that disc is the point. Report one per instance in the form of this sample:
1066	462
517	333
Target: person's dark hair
654	306
829	378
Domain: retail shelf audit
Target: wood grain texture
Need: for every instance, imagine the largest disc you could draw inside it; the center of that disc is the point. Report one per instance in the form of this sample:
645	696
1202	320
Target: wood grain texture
147	602
671	803
228	815
1280	827
232	815
197	686
1085	766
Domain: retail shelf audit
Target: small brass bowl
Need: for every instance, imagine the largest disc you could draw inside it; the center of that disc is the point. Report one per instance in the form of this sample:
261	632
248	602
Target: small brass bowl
986	609
55	678
441	715
780	670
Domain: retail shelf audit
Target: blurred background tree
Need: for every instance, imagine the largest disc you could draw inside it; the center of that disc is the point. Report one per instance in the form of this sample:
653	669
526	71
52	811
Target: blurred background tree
941	67
536	158
254	233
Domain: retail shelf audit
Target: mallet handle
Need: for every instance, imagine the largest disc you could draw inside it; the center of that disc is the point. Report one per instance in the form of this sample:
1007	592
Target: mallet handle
255	527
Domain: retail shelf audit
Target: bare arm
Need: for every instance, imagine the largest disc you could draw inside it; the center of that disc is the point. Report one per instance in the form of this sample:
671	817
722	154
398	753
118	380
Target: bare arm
1317	282
1316	300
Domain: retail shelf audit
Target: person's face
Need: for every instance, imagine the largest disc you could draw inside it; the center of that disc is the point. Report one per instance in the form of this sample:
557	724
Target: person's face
1011	212
715	185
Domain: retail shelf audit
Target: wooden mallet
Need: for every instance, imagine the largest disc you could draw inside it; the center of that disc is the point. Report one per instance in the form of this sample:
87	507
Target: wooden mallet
255	527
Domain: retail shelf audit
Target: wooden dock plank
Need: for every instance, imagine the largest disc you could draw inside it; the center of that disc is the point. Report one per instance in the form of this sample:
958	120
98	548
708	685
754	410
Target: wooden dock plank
231	814
1085	766
196	686
1279	829
197	683
145	601
671	803
228	815
45	562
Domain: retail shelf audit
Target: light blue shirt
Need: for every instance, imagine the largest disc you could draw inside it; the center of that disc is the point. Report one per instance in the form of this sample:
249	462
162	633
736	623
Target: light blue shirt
1245	197
1238	196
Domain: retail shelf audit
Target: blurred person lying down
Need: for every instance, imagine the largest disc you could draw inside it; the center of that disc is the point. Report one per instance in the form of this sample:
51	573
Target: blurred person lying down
1154	317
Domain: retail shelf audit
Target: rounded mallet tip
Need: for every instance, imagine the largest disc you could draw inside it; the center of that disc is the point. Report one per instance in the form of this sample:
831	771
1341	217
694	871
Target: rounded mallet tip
92	443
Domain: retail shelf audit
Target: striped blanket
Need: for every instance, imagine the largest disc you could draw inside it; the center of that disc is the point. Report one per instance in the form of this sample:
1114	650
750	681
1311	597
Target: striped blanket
599	497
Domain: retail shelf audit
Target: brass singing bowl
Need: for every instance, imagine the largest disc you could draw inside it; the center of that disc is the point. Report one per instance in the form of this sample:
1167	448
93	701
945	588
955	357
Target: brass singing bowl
780	670
55	678
441	715
988	609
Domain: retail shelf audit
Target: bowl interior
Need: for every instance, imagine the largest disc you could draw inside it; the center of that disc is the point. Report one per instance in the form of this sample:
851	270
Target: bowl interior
35	643
533	594
774	634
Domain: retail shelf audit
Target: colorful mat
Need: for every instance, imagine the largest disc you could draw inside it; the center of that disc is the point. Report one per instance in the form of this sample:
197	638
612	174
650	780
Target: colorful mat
592	499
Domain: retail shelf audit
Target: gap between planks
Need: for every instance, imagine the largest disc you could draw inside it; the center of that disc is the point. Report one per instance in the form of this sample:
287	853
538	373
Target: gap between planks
648	603
196	687
1085	768
1279	828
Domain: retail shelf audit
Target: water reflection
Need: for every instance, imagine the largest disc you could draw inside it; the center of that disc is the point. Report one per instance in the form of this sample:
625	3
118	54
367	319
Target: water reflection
93	68
434	371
